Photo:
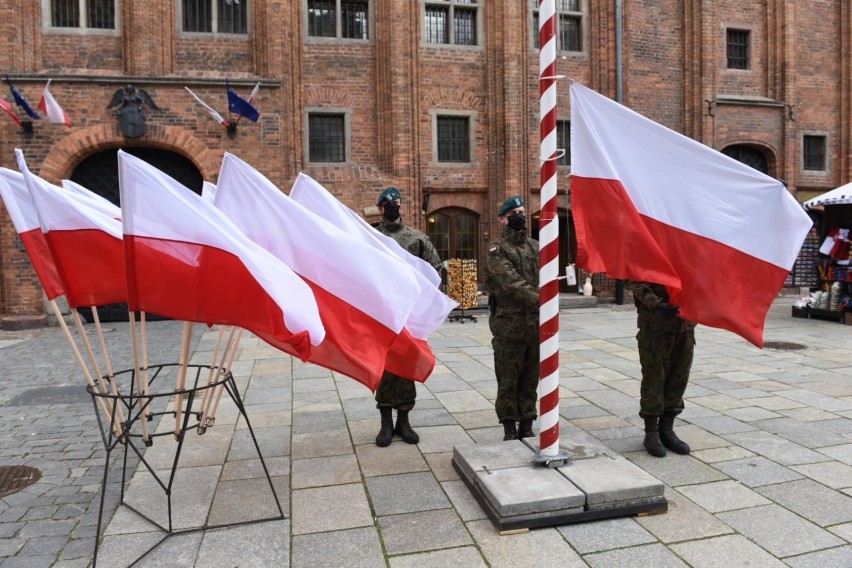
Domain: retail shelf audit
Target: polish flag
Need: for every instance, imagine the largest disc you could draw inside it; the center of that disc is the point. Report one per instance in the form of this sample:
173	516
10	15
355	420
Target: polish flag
651	204
48	105
6	107
85	243
97	201
433	306
365	295
19	203
187	260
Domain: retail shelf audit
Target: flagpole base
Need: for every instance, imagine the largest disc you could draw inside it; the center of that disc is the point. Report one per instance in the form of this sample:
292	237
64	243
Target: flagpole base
553	462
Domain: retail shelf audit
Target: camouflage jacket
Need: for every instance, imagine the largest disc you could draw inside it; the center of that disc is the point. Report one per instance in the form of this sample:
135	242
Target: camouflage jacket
646	296
512	265
413	241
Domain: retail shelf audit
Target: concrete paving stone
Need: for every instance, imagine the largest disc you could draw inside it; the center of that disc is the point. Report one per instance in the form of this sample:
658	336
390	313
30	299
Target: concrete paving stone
361	408
45	527
463	500
722	496
675	470
816	400
78	548
435	439
405	493
731	551
267	395
775	403
464	401
609	482
422	531
313	385
619	433
775	448
257	545
600	423
779	531
713	455
430	417
718	424
265	419
11	546
840	453
756	471
580	383
441	465
208	449
840	556
398	458
446	383
540	548
844	531
272	441
476	419
751	414
605	535
809	435
683	521
719	402
581	411
466	556
815	502
42	561
614	402
329	470
319	444
192	493
356	548
528	491
244	500
473	458
122	550
655	555
364	431
698	438
248	469
44	545
831	473
177	550
835	426
809	414
332	508
716	384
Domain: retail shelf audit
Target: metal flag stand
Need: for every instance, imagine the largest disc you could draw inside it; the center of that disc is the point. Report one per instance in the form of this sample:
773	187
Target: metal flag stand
138	408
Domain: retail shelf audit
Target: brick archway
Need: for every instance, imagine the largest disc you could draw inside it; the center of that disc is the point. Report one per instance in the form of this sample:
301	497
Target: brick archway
71	150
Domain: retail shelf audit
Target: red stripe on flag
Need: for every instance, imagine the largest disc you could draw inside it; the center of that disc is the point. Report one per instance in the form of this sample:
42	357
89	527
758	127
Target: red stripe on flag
42	262
410	357
714	284
90	264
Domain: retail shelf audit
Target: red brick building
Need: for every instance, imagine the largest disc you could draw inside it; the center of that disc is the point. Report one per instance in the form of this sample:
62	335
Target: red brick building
436	97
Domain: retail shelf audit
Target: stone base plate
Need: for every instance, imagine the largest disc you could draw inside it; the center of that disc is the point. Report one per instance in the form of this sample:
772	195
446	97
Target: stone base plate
517	494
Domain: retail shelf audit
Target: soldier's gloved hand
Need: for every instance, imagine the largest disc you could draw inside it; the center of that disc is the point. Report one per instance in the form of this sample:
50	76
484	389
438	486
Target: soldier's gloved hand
667	310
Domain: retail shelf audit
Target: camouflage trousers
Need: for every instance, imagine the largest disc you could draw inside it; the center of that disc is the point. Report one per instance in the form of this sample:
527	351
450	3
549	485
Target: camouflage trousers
395	392
666	359
516	365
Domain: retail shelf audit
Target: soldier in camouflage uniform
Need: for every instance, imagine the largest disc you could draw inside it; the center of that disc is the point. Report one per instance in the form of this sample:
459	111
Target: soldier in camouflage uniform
666	343
512	265
395	391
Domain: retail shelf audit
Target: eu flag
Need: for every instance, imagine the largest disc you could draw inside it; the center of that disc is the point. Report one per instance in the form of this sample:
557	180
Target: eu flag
241	107
21	101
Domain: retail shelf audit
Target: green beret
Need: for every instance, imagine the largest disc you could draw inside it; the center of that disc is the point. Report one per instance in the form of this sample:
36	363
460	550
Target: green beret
389	194
511	203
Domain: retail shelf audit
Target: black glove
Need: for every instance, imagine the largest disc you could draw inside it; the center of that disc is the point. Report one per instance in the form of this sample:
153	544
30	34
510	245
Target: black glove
667	310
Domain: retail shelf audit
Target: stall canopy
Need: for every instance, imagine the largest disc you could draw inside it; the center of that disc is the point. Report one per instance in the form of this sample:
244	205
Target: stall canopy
839	196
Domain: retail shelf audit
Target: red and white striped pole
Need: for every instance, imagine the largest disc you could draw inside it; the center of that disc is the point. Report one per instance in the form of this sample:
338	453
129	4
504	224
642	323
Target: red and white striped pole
548	387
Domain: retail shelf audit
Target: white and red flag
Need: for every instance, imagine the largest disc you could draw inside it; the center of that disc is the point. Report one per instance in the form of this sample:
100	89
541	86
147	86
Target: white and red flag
187	260
48	105
651	204
6	107
97	201
19	203
365	296
85	243
433	306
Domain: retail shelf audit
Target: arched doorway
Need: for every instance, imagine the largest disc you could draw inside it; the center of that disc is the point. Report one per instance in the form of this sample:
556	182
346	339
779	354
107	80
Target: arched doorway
99	174
749	155
455	233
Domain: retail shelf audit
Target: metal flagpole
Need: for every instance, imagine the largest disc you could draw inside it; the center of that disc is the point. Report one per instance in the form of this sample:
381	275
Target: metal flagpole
548	388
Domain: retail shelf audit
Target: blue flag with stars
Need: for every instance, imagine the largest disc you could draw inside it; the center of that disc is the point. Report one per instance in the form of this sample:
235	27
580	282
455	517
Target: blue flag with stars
21	101
241	107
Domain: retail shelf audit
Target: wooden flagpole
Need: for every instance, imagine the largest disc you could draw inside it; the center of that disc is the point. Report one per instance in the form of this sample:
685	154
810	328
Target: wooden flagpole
145	379
137	373
214	372
221	388
107	363
181	378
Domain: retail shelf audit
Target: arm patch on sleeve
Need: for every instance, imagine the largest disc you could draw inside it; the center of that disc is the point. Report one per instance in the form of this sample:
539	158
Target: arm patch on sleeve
493	250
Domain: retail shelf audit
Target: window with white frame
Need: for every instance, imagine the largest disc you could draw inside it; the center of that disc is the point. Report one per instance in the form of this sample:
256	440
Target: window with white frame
569	25
82	14
451	21
342	19
215	16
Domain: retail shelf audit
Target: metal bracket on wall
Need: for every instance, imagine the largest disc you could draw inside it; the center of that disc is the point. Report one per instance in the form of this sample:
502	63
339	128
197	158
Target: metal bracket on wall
790	112
711	107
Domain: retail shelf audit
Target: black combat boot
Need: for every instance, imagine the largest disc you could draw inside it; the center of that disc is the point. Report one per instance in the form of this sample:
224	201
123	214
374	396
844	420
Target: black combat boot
669	438
525	429
652	441
386	432
509	431
403	428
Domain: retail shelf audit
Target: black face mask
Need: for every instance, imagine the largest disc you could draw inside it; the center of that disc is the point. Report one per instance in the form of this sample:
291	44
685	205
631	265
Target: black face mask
391	212
517	222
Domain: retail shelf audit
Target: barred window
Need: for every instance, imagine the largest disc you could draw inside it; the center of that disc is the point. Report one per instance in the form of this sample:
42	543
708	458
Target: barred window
569	25
86	14
451	22
453	138
563	141
326	137
215	16
813	153
737	49
348	19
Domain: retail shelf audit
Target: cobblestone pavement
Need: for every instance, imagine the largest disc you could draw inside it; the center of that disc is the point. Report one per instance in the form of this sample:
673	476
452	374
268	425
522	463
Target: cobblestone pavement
769	481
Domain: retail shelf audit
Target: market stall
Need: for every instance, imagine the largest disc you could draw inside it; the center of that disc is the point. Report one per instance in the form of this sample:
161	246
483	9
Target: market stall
831	298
